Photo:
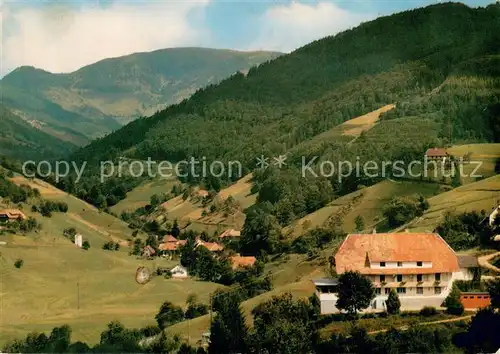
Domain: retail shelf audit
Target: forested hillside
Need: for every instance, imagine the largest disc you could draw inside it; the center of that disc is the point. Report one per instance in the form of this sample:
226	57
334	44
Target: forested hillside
438	65
293	98
101	97
21	140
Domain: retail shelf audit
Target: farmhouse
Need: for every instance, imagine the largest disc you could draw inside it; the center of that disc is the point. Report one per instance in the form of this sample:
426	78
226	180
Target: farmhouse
230	234
242	261
179	272
436	154
11	215
420	267
148	251
169	239
211	246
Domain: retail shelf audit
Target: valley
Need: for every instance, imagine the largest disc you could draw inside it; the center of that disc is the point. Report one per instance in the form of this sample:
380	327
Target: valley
267	254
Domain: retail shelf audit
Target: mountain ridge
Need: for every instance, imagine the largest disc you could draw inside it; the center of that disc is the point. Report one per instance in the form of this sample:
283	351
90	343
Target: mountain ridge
100	97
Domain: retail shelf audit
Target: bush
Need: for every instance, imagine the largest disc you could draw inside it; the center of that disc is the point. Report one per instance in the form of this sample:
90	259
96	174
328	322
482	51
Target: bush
168	315
18	263
428	311
86	245
196	310
111	246
393	304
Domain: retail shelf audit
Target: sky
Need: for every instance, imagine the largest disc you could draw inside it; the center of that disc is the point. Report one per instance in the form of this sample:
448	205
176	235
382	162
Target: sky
63	36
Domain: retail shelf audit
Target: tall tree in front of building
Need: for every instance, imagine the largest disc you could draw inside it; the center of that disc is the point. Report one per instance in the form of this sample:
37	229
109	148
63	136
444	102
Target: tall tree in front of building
452	302
393	304
355	292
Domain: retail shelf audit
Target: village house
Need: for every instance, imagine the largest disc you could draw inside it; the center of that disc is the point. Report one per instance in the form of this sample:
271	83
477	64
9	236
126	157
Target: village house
148	252
78	240
420	267
179	272
211	246
230	234
7	215
239	261
170	246
437	154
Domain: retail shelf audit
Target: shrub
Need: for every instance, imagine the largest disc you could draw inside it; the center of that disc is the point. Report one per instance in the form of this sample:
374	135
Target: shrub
86	245
428	311
196	310
393	304
18	263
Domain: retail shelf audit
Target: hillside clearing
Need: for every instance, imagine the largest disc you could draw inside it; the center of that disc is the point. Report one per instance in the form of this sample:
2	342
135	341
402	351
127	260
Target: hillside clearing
482	195
44	292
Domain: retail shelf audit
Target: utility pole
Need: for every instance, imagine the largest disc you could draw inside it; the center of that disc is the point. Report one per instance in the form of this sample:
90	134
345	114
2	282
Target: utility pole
78	294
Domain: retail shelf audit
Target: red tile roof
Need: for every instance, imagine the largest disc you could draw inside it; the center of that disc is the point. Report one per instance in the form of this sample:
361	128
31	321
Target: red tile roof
169	238
211	246
436	152
230	233
357	249
168	246
13	214
242	261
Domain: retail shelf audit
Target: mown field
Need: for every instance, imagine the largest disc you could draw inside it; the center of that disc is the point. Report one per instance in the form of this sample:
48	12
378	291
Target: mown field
482	195
367	203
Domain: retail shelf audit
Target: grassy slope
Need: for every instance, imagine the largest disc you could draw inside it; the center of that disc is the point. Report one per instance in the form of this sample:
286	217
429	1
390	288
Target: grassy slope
474	196
141	195
43	293
368	203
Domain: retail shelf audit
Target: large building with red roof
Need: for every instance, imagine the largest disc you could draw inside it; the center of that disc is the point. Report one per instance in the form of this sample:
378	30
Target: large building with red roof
420	267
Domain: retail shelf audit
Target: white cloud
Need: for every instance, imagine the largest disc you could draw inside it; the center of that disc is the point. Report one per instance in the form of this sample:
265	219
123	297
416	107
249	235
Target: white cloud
288	27
60	39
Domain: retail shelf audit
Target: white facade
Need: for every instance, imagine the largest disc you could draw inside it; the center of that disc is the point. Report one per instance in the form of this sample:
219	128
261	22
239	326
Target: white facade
78	240
179	272
494	215
415	291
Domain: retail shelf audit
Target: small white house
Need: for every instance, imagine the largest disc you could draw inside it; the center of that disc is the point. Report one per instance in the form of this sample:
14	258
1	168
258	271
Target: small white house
78	240
179	272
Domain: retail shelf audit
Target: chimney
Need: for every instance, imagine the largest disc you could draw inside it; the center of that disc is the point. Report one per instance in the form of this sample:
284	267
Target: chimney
374	231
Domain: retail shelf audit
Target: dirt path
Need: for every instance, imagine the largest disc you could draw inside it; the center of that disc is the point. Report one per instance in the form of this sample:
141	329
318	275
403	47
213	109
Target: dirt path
98	229
404	328
484	261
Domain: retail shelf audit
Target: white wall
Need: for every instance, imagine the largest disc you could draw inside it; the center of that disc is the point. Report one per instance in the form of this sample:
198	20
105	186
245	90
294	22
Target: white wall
408	303
394	265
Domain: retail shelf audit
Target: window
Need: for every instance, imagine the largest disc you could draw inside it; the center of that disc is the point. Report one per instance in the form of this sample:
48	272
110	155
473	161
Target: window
437	276
437	290
382	278
382	264
401	290
399	277
387	291
419	264
400	264
378	291
420	291
419	277
466	297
